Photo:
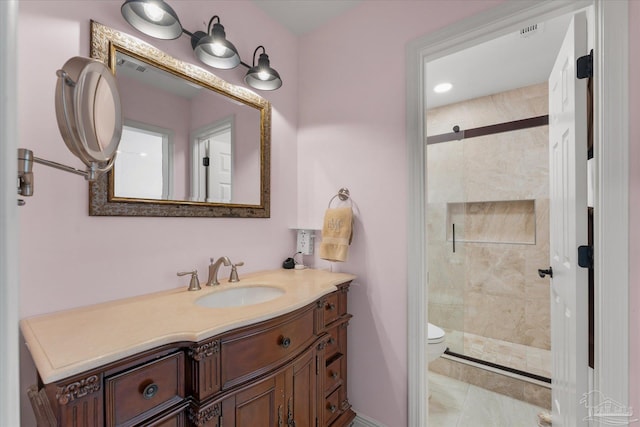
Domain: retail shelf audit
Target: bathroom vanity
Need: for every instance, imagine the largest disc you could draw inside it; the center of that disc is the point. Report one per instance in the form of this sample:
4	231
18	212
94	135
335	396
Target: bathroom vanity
166	360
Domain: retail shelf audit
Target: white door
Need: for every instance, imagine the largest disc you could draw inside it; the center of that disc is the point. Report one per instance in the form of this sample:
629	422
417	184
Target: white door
568	227
220	177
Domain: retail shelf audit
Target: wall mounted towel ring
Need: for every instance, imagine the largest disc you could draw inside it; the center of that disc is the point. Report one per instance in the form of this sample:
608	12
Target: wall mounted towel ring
344	195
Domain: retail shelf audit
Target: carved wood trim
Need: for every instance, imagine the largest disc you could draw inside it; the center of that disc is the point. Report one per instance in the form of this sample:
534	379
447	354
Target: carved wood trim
199	352
345	404
77	389
203	416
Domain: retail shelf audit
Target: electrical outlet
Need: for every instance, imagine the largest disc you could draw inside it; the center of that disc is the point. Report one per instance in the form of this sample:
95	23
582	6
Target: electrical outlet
305	242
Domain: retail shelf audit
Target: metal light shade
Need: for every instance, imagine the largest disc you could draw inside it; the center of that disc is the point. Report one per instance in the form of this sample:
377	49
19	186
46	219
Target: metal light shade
215	50
262	76
152	17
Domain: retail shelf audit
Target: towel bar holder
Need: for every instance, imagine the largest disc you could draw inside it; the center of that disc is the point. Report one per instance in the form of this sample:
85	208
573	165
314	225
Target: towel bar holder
343	194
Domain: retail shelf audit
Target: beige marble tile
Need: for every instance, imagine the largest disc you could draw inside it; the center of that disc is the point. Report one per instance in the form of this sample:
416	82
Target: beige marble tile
445	172
493	221
483	408
537	329
496	316
494	270
538	395
502	384
516	104
455	403
447	316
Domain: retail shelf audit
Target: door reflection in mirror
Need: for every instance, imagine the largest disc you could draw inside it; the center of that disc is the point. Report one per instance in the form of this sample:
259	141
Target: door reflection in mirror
212	162
193	115
143	167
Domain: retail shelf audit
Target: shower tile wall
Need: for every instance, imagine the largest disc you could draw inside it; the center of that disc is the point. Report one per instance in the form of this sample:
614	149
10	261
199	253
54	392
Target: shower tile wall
490	286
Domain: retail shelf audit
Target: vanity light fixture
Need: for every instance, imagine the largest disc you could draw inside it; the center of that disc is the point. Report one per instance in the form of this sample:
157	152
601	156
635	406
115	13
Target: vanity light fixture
213	48
157	19
152	17
262	76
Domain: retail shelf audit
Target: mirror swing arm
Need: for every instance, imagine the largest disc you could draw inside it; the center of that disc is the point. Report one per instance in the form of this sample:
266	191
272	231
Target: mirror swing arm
94	88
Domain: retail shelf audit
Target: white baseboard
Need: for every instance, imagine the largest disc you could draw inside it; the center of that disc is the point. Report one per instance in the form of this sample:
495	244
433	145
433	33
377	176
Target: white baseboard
362	421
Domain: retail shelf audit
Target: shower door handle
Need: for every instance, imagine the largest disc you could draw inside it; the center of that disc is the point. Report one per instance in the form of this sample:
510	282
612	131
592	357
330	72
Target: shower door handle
543	273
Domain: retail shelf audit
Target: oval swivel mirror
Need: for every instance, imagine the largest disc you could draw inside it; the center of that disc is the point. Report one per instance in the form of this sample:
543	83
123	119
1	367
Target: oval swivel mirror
88	111
89	118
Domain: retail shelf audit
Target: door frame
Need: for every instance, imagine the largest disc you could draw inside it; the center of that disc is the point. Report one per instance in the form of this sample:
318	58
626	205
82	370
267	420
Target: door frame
611	219
9	222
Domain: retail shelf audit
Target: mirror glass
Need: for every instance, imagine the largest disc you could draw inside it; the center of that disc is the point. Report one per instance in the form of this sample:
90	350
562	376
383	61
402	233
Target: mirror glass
192	144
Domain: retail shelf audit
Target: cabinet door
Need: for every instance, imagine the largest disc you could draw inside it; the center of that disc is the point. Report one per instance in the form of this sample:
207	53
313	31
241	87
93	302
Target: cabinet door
260	405
301	391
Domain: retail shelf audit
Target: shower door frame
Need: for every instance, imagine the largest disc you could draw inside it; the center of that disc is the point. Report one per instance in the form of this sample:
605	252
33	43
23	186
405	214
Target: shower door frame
611	222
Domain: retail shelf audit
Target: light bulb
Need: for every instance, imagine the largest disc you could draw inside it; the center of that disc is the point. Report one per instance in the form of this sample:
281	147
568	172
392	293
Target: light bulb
218	49
442	87
153	12
263	75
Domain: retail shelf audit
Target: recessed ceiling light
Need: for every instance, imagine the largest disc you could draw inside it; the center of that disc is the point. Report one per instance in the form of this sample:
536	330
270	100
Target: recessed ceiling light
442	87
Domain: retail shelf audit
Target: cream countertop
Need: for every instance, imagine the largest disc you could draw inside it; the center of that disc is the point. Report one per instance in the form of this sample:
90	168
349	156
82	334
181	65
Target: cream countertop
73	341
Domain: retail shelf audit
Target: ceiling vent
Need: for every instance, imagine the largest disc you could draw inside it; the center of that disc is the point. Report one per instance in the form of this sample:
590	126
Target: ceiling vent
132	65
531	30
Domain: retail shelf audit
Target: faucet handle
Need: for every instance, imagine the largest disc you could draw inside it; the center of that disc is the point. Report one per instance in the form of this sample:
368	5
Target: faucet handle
233	277
194	284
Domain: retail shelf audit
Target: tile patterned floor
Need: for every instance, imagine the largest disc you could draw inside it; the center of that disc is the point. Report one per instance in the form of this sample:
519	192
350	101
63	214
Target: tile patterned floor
529	359
457	404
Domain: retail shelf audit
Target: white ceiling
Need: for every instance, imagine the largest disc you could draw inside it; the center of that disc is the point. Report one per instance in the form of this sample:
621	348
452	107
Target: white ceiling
505	63
508	62
302	16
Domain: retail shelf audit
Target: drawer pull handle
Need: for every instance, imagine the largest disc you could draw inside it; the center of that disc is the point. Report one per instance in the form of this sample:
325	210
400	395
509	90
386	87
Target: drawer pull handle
150	391
285	342
331	306
331	341
335	375
332	408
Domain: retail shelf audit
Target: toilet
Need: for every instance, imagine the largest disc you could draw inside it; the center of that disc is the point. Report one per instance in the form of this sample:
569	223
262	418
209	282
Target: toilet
436	343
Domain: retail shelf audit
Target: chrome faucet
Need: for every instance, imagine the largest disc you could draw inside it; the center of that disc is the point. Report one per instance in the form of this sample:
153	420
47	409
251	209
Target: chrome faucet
213	270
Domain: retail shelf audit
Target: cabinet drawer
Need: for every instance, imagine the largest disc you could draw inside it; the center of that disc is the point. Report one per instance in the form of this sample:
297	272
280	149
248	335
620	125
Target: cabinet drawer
248	355
332	407
332	346
331	309
333	374
143	391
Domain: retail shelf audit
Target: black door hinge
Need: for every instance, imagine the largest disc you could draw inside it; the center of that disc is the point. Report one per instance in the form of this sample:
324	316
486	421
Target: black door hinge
584	66
585	256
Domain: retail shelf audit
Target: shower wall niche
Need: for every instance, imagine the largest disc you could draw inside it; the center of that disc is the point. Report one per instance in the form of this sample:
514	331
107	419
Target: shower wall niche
488	231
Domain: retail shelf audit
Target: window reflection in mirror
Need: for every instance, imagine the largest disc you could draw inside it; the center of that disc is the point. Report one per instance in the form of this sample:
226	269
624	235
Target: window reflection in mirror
206	128
144	163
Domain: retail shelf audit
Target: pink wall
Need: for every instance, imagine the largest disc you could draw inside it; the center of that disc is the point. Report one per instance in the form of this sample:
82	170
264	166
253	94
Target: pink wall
69	259
352	134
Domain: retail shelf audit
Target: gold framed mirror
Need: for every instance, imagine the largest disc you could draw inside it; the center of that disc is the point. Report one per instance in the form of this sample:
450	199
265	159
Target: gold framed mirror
193	144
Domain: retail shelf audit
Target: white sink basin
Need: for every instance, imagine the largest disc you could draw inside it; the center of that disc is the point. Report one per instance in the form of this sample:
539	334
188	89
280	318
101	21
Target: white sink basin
240	296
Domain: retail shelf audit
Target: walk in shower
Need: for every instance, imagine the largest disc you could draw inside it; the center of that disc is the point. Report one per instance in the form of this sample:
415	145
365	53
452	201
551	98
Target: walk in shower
488	228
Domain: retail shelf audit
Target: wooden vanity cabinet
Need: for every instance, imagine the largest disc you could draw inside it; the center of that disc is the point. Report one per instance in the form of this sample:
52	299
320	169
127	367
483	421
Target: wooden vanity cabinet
287	371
